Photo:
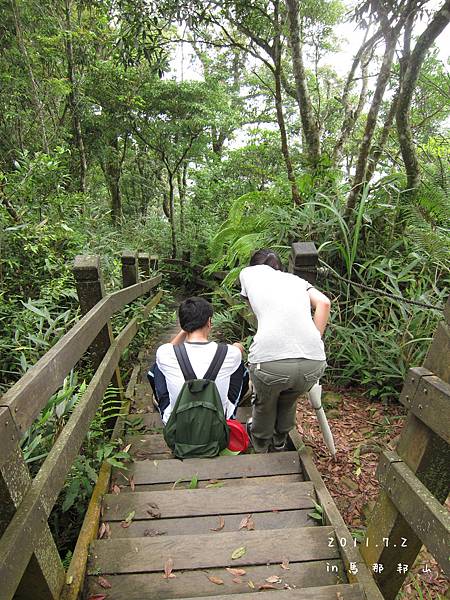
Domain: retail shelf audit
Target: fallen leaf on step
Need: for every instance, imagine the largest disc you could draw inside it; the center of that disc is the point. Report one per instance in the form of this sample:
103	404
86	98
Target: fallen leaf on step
238	572
216	580
237	580
267	586
116	489
250	584
102	531
132	484
128	519
273	579
97	597
285	564
247	523
168	567
220	525
104	583
153	510
238	553
153	532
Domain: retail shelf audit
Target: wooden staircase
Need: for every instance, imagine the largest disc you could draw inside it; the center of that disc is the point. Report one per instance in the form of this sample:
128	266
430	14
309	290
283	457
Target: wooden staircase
245	529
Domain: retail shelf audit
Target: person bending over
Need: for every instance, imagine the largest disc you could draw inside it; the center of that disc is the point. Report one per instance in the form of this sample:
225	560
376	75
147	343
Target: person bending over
287	356
165	376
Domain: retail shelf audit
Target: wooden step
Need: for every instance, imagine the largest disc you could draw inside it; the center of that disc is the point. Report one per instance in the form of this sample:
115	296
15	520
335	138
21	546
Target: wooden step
152	586
334	592
212	483
147	446
204	525
221	467
146	555
213	501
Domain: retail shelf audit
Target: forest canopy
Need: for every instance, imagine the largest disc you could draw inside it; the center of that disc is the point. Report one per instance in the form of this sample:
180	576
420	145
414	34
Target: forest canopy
218	127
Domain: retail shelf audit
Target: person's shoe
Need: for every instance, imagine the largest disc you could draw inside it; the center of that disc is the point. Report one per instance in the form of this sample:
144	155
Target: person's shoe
281	448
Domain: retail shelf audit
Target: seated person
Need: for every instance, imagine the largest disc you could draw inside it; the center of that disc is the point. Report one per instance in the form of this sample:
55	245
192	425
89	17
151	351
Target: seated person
166	377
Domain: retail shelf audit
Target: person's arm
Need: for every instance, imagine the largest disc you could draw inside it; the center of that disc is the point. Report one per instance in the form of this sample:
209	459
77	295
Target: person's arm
321	305
179	338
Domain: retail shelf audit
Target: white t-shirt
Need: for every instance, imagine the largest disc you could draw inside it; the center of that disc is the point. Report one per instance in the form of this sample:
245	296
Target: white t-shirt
200	356
282	307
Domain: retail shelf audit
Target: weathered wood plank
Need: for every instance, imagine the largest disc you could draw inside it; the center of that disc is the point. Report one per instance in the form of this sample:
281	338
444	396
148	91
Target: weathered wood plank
349	592
286	519
227	483
183	503
429	400
44	573
221	467
438	353
144	445
333	517
25	529
151	586
144	555
431	405
429	520
29	395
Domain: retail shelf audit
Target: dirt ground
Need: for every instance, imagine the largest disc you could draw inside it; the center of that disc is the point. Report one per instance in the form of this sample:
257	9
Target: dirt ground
361	429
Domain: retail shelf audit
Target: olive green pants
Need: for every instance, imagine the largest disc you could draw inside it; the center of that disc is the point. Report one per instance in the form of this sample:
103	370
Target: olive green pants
278	384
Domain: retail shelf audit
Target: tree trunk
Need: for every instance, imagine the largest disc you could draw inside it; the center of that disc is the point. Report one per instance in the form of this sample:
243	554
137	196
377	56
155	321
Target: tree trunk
172	214
182	184
360	175
73	99
309	125
112	169
35	95
283	135
350	115
411	74
379	146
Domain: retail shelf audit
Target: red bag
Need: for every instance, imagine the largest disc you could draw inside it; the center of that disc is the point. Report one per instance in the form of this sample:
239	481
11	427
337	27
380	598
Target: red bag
239	440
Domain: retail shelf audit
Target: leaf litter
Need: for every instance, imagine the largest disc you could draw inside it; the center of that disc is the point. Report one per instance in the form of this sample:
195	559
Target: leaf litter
237	572
220	525
215	579
153	510
128	519
104	583
247	523
238	553
168	567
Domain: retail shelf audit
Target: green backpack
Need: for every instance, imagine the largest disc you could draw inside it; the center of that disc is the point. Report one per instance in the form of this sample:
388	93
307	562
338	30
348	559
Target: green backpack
197	426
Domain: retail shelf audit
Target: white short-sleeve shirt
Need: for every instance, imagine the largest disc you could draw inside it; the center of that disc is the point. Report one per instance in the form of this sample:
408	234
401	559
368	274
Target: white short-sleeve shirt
200	356
282	307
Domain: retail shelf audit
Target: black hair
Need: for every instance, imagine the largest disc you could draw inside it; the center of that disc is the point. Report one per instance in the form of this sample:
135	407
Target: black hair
266	257
194	313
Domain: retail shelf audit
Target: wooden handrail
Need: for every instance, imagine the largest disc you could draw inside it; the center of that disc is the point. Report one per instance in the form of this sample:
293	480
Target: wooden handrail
28	396
30	519
425	515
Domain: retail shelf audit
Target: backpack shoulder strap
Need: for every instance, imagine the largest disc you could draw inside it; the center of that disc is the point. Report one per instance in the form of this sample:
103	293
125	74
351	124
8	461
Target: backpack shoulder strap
184	362
217	362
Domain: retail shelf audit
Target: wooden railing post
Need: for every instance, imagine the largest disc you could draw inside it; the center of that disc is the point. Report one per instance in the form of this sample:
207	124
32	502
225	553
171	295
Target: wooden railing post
427	454
44	574
154	262
91	289
144	264
130	273
303	261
